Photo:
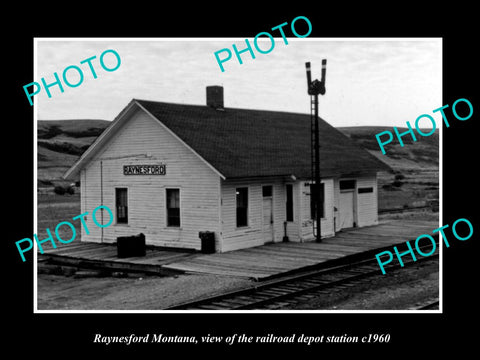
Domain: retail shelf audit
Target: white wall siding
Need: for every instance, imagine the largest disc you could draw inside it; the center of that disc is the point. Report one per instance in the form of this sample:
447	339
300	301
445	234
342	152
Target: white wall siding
336	204
280	212
246	236
143	141
300	229
90	199
327	222
365	204
252	235
293	227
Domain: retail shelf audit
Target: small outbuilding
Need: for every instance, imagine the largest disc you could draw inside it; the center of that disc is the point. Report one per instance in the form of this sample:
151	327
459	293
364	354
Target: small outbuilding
170	171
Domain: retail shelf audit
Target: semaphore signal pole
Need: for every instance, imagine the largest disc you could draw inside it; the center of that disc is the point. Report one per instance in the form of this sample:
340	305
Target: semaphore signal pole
315	88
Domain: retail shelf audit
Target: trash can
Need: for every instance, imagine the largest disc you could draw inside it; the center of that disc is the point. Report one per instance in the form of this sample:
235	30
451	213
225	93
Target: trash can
129	246
208	241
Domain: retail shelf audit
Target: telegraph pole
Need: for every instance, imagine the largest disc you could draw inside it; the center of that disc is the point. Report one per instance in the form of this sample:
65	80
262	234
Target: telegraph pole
316	88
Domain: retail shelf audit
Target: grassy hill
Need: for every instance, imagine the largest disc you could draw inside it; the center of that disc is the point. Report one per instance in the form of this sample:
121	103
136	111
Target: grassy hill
60	143
420	154
415	178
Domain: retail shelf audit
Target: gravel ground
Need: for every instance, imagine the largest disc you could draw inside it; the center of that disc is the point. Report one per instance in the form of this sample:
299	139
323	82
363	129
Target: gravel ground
400	289
140	292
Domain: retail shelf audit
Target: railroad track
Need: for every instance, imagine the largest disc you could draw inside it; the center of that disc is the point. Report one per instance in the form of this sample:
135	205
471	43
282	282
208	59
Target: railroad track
276	293
430	305
402	210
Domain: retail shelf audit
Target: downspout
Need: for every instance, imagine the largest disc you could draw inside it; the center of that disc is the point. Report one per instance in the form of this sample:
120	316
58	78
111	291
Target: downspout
101	198
285	237
220	220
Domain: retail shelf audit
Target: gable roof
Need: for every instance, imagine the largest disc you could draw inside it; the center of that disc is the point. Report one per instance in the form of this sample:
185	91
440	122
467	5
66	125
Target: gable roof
241	143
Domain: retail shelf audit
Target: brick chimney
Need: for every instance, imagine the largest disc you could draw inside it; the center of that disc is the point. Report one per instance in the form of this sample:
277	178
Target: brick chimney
215	96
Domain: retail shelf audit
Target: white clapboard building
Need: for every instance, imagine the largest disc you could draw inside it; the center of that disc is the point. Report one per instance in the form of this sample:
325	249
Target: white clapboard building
170	171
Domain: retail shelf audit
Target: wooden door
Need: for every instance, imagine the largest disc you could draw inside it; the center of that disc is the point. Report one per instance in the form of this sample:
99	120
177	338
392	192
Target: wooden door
346	209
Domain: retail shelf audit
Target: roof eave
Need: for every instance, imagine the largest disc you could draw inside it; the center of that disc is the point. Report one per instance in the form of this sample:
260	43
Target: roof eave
97	144
284	177
181	141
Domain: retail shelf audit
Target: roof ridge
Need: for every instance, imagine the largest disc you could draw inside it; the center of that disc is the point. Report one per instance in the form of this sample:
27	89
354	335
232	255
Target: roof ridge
249	142
224	108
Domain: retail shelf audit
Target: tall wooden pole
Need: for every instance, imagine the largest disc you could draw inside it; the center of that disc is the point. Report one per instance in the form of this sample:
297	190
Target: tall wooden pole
314	89
318	195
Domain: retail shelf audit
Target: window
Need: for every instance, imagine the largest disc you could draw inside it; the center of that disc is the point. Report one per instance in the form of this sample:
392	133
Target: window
313	195
242	206
173	207
289	203
365	190
347	184
121	204
267	190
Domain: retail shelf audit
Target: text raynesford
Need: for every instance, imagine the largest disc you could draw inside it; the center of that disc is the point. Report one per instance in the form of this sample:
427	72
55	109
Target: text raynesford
68	79
255	42
423	236
70	225
429	117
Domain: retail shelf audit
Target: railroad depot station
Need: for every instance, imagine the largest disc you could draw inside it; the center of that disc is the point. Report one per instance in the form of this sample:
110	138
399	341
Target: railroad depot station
170	171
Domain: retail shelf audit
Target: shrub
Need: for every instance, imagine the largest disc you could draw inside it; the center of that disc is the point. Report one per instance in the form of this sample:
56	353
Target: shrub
70	190
399	177
59	190
397	183
49	132
63	147
390	187
44	182
93	131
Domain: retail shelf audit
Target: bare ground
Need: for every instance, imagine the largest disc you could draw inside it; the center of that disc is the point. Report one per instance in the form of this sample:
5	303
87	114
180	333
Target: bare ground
400	289
136	292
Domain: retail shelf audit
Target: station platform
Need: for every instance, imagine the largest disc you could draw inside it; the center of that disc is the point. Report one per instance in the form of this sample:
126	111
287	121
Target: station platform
276	259
258	263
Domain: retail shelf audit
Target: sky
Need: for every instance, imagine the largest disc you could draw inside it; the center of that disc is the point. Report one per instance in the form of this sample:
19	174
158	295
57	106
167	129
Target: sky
372	81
